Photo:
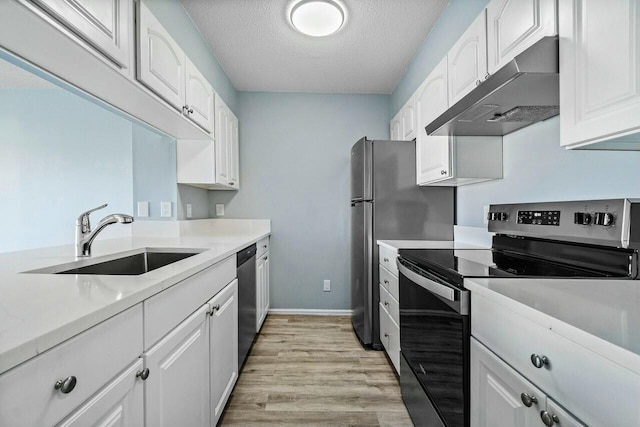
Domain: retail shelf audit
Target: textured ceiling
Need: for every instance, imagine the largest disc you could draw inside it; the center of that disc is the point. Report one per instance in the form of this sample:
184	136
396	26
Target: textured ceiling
14	77
260	51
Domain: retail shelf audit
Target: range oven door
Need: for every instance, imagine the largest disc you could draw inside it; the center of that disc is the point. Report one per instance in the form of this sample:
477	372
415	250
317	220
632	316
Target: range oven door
434	343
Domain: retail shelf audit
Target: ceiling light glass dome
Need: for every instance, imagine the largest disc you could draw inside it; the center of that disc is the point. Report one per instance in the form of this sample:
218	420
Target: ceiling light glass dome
317	18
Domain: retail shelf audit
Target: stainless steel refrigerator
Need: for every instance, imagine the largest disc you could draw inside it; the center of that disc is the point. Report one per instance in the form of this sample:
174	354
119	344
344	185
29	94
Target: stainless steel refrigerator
386	204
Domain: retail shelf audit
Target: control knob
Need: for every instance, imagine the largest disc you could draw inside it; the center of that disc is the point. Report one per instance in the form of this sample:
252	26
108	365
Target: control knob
604	218
582	218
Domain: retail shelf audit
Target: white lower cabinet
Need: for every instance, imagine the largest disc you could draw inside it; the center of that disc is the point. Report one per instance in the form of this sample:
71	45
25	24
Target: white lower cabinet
120	403
262	290
501	397
223	347
177	390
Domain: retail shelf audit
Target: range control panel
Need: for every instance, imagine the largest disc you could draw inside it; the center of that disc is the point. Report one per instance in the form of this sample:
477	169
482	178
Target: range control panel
539	217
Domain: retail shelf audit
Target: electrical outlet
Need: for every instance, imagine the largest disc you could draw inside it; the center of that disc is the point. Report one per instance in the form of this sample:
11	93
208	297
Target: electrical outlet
143	209
327	286
189	210
219	209
165	209
485	215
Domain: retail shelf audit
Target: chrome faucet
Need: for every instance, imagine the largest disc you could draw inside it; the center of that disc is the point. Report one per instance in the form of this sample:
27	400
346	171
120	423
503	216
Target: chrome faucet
84	235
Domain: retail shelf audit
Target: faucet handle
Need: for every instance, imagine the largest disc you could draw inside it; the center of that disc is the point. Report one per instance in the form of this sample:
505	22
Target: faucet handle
83	219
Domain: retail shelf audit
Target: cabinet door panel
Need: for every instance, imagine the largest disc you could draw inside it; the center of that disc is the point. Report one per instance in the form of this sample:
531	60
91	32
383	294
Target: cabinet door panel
259	292
120	403
408	114
515	25
600	69
223	348
496	393
467	60
267	284
161	62
222	141
233	152
177	390
105	24
199	97
396	129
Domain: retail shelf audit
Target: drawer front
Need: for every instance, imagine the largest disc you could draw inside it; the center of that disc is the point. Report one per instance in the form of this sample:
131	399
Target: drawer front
262	247
390	337
165	311
387	258
94	357
390	282
390	304
584	382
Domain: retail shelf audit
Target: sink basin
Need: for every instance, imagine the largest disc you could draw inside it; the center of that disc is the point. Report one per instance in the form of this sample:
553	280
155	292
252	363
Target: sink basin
132	265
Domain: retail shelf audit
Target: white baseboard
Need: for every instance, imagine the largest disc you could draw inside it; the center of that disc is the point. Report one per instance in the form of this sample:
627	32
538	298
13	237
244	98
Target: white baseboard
310	311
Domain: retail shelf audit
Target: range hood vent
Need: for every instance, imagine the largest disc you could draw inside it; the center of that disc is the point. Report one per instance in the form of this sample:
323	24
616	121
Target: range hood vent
523	92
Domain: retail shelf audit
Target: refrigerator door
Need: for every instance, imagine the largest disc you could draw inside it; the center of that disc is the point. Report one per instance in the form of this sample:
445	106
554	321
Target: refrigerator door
361	270
361	170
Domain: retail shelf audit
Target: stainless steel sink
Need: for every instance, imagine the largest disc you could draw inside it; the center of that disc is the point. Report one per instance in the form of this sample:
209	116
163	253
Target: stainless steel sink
132	265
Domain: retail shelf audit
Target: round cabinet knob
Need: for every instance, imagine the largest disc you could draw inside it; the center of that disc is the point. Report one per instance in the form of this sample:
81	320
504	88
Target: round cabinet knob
443	172
486	76
528	400
231	183
66	385
549	419
539	361
478	82
386	335
143	375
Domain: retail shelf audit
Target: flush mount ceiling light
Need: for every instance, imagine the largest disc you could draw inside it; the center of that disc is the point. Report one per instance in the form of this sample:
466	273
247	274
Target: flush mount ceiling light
317	18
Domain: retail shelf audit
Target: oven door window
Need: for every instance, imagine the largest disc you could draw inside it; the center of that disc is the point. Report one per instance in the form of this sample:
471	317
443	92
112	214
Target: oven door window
434	341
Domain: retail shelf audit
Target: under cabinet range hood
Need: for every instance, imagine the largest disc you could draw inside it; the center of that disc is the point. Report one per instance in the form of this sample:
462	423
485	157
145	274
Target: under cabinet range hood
523	92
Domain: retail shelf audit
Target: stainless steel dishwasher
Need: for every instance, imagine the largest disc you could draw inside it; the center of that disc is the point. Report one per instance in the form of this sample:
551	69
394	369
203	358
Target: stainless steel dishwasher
246	262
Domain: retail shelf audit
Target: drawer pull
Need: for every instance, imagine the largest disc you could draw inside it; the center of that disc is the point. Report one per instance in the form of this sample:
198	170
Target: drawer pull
528	400
443	172
386	335
386	303
213	310
386	260
539	361
143	375
386	282
264	246
549	419
67	385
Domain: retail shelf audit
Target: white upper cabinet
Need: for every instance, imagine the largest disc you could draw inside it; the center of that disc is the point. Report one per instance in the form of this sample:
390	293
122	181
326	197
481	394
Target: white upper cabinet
199	98
467	60
106	24
515	25
600	73
234	152
227	150
395	128
161	62
432	152
408	114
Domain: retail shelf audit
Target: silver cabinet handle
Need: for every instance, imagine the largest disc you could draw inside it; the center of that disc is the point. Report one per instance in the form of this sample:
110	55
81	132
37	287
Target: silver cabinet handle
187	110
487	76
231	183
549	419
478	82
386	259
266	258
539	361
386	335
143	375
386	282
213	310
386	303
528	400
443	172
264	246
66	385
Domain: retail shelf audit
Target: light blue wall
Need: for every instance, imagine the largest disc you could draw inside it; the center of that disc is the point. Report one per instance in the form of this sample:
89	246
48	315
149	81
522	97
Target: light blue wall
61	155
154	171
295	157
197	197
536	168
177	21
455	19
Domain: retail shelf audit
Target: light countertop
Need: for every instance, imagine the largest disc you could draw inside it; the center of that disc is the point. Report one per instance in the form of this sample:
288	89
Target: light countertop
396	245
39	311
599	314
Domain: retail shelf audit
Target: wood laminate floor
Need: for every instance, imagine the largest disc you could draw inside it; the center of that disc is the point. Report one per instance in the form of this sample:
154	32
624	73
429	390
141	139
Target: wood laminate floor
312	371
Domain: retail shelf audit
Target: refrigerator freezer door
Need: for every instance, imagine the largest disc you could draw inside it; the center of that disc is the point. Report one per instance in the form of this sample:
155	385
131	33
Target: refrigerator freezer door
361	170
361	270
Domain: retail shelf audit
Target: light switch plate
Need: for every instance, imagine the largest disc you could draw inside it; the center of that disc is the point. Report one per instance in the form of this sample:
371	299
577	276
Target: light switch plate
143	209
327	286
165	209
219	209
189	210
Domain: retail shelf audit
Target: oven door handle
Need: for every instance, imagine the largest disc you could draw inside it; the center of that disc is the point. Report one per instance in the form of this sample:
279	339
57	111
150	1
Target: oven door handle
441	290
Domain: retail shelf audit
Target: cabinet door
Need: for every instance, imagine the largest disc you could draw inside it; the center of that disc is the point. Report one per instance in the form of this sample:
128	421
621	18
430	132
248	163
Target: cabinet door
467	60
408	114
177	390
395	129
233	159
497	393
385	320
433	155
564	418
222	141
513	26
161	62
198	98
105	24
599	69
259	293
266	283
223	348
119	403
